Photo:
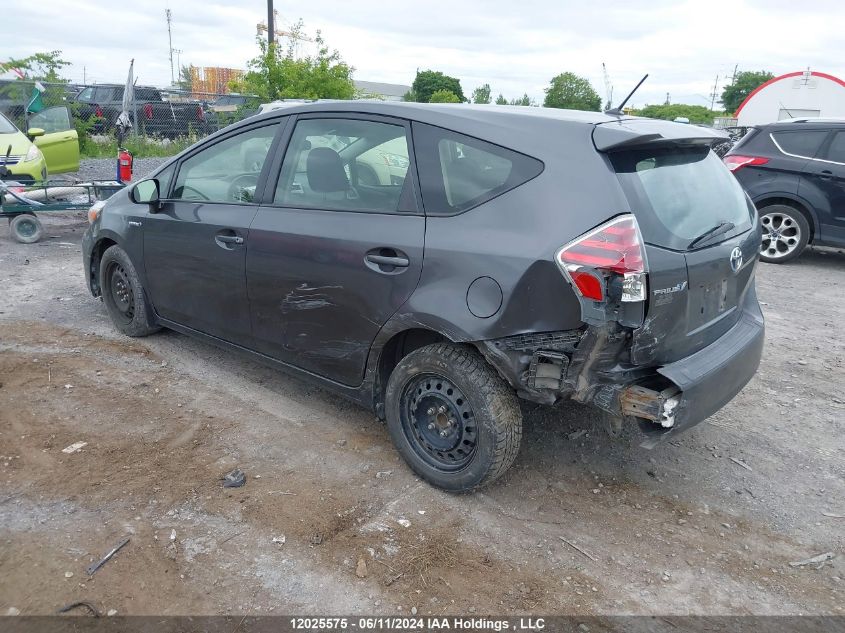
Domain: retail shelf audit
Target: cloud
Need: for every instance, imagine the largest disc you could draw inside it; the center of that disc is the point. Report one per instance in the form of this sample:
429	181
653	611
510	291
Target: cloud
516	47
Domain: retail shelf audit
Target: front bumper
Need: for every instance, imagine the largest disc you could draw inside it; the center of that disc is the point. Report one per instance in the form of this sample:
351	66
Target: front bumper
711	377
31	171
87	250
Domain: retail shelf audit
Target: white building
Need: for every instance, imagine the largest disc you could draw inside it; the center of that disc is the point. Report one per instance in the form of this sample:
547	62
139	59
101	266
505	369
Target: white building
792	96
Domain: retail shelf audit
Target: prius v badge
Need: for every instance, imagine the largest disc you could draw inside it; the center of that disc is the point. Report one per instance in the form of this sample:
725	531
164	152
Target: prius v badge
672	289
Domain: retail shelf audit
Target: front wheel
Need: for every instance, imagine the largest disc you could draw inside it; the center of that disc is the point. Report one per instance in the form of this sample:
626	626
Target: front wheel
786	232
453	419
123	294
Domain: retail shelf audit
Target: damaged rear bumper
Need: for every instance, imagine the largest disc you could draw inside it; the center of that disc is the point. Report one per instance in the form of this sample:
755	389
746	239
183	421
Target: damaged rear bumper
711	377
590	366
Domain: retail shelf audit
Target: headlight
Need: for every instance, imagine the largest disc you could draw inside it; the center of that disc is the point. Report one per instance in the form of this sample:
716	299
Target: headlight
33	154
94	211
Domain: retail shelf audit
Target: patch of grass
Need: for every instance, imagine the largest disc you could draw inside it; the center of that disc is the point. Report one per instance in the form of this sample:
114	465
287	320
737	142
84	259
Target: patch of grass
101	146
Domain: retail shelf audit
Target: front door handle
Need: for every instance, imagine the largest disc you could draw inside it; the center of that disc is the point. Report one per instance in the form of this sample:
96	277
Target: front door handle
826	174
228	240
386	260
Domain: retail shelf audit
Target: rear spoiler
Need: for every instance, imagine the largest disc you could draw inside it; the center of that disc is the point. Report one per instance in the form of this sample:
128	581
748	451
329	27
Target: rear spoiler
635	132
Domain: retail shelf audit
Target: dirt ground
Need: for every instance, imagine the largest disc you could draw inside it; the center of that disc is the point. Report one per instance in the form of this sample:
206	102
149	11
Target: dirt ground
708	523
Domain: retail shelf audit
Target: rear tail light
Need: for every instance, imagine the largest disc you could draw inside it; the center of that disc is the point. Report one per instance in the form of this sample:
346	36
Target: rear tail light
148	111
98	112
200	114
613	250
735	162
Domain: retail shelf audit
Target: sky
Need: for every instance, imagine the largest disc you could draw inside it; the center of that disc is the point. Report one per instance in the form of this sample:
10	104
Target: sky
516	47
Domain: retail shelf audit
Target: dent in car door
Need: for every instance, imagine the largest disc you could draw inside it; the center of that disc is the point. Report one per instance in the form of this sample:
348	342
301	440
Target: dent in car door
60	143
333	258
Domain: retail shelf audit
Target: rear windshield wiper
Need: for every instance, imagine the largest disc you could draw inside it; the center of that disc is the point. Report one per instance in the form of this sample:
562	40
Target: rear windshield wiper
719	229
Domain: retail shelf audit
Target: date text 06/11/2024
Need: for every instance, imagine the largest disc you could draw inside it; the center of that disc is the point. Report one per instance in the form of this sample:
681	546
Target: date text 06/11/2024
453	623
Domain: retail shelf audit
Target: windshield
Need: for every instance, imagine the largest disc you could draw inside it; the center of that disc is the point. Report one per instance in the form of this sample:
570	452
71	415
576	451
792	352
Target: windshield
6	126
678	194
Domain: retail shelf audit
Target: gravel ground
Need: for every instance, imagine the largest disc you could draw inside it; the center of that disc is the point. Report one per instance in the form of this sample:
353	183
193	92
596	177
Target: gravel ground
707	523
106	168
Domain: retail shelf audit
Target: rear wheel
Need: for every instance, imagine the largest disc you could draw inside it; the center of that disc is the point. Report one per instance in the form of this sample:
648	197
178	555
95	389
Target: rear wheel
453	419
123	294
26	228
786	232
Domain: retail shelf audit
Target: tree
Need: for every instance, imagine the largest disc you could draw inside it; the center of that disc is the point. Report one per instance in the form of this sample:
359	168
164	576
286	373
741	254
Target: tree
41	66
427	82
444	96
524	100
743	85
481	94
695	113
500	100
186	80
570	91
274	74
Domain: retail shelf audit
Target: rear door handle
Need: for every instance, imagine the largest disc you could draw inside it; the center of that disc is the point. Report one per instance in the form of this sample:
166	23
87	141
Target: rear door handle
230	239
826	174
385	260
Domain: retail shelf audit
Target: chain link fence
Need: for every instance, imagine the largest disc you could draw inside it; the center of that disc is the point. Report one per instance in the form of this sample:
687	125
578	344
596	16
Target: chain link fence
163	120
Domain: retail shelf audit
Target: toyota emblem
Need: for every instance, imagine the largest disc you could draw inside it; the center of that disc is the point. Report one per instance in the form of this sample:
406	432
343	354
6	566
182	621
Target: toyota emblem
736	260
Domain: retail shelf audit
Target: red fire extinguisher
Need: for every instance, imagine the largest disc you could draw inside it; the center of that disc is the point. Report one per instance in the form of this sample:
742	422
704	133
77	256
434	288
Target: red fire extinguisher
124	165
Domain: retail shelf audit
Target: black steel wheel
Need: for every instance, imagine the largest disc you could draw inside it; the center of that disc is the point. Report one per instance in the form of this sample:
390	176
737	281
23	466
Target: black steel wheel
123	294
452	417
120	290
438	422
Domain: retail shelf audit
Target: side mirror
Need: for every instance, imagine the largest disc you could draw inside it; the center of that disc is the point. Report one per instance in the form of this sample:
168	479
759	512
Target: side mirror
145	192
34	132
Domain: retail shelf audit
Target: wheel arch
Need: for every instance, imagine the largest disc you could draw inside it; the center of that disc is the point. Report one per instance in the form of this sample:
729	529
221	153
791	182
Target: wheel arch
102	244
394	349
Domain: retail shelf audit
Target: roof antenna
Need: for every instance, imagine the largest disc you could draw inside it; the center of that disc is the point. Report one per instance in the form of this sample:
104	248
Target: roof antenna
617	111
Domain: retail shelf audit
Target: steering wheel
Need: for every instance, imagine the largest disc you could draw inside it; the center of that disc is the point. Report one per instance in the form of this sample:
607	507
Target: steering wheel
201	195
239	186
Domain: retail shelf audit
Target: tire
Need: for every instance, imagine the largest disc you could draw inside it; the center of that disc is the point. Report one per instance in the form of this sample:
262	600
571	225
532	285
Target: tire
26	228
453	419
125	299
786	232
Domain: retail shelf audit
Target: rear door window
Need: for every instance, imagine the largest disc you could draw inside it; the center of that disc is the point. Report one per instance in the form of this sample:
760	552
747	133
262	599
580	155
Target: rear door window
800	143
836	150
459	172
679	193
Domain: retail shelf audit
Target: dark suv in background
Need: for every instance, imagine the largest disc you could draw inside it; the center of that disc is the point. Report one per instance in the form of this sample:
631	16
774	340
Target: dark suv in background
794	171
435	263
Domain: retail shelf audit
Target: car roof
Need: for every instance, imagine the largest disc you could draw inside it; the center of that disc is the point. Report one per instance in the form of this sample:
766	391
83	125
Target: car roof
807	123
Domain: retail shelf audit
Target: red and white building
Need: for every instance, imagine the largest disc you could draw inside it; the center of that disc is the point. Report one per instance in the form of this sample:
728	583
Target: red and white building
792	96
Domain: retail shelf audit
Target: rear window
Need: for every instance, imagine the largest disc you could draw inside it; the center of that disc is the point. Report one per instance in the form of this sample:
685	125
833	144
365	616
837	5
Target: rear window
459	172
677	194
800	143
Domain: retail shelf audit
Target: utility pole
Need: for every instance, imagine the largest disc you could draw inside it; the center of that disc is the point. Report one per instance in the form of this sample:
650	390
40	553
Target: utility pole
713	94
84	75
271	26
733	78
667	99
169	17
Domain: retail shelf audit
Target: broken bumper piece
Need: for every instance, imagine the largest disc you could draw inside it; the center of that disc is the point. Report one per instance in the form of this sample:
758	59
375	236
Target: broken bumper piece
711	377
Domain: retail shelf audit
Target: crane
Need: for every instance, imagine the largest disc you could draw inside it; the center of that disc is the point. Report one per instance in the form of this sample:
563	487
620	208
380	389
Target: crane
261	27
608	87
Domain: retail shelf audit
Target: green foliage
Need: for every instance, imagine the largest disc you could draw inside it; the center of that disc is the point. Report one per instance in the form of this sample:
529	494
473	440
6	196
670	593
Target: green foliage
275	74
744	84
524	100
138	146
570	91
427	82
500	100
481	94
41	66
185	81
695	113
444	96
409	96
